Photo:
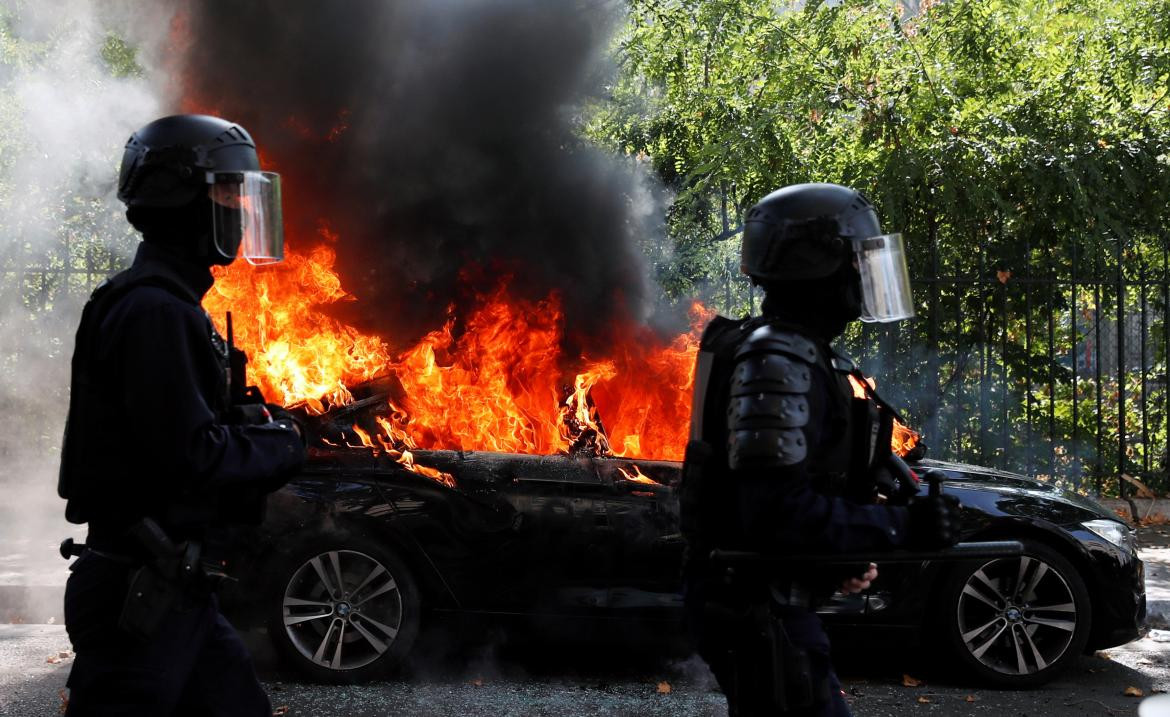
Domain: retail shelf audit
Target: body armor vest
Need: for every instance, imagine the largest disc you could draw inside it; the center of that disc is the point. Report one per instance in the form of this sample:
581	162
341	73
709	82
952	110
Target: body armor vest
749	412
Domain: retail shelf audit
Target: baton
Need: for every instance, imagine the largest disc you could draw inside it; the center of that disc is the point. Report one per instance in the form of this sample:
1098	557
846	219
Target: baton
978	550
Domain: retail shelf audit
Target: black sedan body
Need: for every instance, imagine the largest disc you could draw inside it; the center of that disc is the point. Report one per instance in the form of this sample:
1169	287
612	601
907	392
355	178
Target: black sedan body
357	551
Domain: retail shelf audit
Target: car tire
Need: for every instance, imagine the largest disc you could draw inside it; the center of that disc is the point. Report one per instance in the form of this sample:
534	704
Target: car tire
1016	622
343	612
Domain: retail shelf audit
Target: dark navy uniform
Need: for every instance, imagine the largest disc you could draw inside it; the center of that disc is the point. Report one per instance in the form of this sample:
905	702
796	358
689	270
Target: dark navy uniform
148	437
783	459
778	459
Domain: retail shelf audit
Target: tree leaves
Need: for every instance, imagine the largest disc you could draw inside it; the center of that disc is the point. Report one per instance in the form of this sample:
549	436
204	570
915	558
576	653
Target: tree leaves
970	113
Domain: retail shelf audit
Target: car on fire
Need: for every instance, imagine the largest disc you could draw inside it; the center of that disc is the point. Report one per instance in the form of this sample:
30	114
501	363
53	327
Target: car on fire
360	549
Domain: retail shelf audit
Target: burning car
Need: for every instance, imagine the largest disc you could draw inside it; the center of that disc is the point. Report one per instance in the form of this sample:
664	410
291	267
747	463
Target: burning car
367	543
472	472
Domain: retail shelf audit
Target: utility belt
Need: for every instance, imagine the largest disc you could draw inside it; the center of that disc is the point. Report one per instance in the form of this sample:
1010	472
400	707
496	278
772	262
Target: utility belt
164	577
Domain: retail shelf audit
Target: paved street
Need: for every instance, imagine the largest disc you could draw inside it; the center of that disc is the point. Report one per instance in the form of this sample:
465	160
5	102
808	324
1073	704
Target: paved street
31	686
539	678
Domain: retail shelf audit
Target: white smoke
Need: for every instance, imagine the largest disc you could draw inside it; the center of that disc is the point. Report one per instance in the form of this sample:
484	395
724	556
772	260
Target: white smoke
67	106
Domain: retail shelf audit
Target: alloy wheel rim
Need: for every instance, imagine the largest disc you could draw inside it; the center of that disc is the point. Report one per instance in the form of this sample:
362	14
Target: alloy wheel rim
1016	616
342	609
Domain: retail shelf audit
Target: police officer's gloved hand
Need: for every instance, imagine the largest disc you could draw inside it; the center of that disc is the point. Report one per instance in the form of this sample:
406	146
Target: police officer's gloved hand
934	522
282	416
250	414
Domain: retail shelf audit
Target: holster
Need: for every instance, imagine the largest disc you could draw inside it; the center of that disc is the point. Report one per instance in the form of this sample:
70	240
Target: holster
171	574
151	598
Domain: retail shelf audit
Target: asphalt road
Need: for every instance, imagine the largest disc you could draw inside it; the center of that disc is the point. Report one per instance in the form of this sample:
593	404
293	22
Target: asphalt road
497	674
544	682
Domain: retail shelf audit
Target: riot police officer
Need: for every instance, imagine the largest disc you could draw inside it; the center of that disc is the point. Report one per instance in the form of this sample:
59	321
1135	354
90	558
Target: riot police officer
155	454
783	458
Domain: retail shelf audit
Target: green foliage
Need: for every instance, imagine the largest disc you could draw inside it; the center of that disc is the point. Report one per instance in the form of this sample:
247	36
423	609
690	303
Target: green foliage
121	59
1046	118
59	236
1004	138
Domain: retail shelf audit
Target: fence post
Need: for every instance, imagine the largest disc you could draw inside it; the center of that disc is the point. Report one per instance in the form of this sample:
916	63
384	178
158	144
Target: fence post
1121	368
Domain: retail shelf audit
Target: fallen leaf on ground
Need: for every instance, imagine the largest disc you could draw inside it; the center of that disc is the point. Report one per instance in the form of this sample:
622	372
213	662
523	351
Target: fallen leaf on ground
664	688
64	700
1104	655
477	682
1155	519
280	711
908	681
1132	691
970	698
923	700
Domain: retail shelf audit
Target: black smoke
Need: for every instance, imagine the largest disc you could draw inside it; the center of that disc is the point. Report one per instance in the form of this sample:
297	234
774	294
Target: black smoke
440	140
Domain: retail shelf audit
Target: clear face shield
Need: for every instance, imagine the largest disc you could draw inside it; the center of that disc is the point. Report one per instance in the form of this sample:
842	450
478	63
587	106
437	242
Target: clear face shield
246	215
885	280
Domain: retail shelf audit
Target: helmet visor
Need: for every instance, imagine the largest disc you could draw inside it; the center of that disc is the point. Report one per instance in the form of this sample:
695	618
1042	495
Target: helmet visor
885	281
246	216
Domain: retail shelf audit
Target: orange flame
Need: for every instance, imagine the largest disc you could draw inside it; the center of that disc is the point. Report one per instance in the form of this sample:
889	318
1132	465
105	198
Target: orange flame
904	439
637	476
859	389
499	384
295	352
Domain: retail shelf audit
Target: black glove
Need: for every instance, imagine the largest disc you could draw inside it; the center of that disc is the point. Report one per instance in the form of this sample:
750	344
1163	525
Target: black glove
283	417
250	414
934	522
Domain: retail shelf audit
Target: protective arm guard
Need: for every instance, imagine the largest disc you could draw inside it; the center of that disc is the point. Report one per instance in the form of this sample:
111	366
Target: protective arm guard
769	404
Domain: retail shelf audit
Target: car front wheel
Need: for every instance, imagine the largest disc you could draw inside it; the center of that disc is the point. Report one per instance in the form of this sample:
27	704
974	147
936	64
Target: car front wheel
344	613
1017	622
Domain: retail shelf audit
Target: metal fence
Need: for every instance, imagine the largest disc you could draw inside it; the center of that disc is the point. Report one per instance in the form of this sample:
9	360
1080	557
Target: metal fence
1050	361
40	280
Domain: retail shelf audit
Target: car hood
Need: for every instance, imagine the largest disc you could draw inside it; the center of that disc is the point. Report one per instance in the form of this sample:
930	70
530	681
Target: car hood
981	477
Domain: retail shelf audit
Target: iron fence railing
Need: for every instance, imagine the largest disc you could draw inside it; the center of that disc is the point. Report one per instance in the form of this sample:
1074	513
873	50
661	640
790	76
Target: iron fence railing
1051	362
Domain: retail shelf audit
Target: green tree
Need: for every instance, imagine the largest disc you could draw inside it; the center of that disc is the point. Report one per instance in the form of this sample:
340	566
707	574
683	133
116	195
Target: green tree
1006	140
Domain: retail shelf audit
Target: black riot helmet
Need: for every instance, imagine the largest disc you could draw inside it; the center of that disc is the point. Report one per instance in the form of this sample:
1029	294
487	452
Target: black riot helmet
827	234
203	170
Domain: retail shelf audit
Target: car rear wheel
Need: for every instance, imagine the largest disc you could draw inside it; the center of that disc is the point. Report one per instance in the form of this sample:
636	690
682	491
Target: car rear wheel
1017	622
344	613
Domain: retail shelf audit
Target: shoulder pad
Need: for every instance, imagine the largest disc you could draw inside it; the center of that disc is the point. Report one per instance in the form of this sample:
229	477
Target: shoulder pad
771	339
720	330
768	406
